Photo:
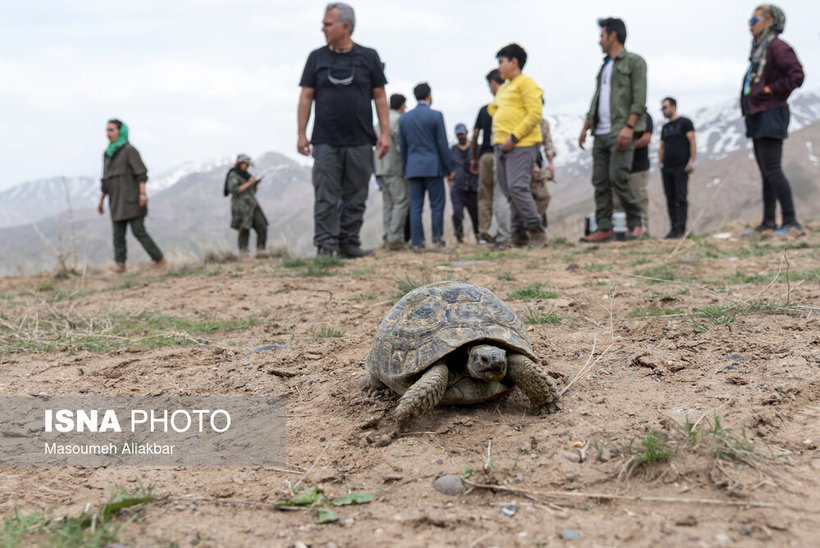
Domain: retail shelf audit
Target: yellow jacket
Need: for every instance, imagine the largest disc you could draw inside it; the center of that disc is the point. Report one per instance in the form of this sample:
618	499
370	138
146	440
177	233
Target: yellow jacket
516	109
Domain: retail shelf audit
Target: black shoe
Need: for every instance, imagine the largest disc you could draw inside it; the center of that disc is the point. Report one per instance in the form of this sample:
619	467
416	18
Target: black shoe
439	244
520	239
354	252
763	227
673	235
324	251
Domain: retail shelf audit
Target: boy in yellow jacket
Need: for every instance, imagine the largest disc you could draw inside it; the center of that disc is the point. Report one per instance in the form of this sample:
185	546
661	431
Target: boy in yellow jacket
516	112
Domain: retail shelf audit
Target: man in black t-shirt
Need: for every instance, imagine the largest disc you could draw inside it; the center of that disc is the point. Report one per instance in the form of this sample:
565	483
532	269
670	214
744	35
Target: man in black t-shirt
491	200
676	158
639	174
342	78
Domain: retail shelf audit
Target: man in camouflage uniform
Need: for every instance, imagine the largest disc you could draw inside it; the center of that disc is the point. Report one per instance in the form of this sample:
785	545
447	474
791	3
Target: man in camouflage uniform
541	173
245	210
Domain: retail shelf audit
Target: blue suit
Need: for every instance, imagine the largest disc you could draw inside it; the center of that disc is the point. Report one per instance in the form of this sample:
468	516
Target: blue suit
425	156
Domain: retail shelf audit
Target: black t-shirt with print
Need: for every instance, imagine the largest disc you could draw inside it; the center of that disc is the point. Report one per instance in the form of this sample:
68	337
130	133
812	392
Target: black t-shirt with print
343	90
484	123
675	143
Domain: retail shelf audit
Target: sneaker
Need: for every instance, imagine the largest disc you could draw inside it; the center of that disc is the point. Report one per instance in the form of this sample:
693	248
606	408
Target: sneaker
322	251
439	244
763	227
118	268
598	236
501	245
484	238
788	227
354	252
635	233
538	237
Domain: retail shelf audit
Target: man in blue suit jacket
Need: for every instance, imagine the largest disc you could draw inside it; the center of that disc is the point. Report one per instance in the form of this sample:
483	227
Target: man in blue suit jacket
425	156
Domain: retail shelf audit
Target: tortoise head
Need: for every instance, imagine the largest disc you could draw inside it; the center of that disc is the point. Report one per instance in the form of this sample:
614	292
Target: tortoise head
487	362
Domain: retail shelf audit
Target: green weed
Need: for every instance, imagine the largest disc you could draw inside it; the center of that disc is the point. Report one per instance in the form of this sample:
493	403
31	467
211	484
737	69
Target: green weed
531	292
597	267
327	332
533	316
654	448
659	274
506	276
641	312
313	267
408	283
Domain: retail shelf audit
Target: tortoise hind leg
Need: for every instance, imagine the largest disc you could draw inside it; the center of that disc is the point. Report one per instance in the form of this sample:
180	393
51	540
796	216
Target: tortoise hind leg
535	383
424	394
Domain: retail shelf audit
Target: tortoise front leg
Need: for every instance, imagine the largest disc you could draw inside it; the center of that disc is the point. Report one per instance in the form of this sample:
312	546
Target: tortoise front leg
535	383
425	394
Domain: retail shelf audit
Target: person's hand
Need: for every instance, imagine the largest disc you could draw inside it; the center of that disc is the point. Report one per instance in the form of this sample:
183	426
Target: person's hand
690	166
101	207
582	138
551	170
625	137
383	145
451	177
508	144
474	167
303	145
143	200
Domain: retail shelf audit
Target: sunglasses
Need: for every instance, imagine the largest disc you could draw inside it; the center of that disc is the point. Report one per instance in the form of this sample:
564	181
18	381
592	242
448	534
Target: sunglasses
753	20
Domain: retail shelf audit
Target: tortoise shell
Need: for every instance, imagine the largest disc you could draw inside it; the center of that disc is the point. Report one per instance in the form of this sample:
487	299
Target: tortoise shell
433	321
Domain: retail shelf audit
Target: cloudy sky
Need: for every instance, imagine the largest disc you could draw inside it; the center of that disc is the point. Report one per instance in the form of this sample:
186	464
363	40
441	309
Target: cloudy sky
203	79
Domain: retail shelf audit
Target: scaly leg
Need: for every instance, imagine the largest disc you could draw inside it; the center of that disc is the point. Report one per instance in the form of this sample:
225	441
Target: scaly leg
425	394
535	383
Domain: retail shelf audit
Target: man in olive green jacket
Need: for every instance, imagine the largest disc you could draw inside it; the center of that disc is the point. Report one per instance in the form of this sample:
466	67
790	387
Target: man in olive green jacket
618	110
123	181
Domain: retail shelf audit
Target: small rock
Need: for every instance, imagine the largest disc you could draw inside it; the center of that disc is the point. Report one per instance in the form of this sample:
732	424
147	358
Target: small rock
509	510
348	522
570	534
688	521
518	479
332	544
573	267
384	441
571	456
572	475
266	347
723	538
390	478
736	358
370	438
449	484
731	367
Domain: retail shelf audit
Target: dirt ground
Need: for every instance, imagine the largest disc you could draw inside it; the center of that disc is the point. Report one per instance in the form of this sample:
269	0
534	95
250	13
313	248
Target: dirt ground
653	335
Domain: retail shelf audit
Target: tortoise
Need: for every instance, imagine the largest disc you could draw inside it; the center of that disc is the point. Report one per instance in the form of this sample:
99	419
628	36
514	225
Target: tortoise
455	343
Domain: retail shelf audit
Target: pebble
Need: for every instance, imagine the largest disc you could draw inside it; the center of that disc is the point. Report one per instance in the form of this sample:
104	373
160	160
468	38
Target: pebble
736	357
509	510
570	534
332	544
518	479
384	441
266	347
246	363
731	367
571	456
723	538
449	484
348	522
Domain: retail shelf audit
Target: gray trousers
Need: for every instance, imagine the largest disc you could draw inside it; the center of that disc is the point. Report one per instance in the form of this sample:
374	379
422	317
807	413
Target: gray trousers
340	182
395	205
491	201
139	232
513	171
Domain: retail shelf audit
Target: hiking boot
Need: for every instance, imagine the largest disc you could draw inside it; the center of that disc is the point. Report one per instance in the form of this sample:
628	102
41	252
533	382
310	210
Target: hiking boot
673	235
785	228
538	237
599	236
118	268
322	251
354	252
635	233
520	239
160	264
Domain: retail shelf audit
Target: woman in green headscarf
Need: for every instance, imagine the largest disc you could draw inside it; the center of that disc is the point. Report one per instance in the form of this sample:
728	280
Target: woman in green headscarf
123	181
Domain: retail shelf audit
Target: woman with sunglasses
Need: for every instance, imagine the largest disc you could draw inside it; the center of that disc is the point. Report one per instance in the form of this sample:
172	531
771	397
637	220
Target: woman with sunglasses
774	72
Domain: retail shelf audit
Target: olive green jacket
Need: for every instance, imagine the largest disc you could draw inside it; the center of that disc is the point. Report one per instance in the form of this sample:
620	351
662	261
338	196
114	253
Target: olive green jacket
242	205
122	175
627	92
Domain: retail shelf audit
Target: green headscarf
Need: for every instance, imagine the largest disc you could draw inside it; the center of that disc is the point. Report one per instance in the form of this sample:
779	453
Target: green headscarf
121	140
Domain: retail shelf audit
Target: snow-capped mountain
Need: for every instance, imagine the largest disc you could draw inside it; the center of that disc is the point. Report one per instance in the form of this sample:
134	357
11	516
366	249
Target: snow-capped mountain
32	201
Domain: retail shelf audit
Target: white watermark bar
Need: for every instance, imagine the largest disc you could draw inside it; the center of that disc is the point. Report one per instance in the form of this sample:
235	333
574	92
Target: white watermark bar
142	431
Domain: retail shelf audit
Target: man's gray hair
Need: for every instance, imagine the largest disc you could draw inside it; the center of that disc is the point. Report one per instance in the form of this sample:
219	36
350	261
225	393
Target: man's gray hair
346	13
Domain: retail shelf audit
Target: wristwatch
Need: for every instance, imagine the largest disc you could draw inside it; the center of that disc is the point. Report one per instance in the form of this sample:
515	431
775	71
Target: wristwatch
630	126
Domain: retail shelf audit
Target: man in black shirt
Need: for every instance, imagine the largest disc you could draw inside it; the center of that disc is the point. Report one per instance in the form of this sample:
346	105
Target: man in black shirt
463	185
342	78
491	199
676	158
639	174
